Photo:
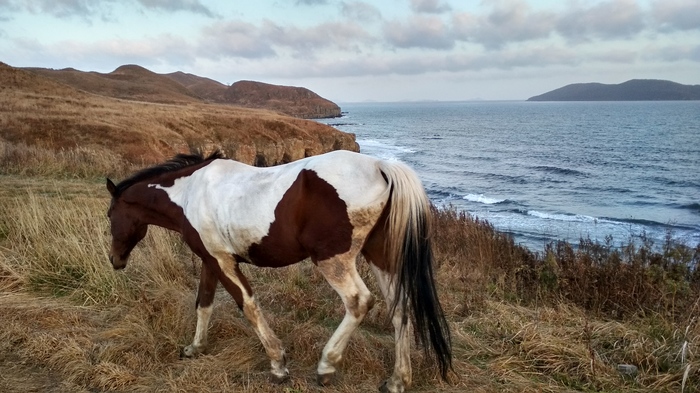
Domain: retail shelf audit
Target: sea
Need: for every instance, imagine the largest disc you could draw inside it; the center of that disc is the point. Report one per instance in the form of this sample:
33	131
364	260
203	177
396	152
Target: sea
611	172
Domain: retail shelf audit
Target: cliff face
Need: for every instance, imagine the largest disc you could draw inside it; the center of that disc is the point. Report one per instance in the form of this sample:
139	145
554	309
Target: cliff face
145	132
293	101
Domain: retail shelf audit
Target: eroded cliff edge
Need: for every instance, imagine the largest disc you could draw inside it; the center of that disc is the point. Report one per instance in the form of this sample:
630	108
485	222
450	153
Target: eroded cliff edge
41	111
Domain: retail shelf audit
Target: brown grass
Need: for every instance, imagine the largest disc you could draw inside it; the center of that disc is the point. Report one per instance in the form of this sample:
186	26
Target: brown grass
557	322
38	112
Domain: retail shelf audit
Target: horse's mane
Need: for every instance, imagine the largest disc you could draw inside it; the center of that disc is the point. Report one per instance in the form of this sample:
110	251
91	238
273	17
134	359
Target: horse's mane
178	162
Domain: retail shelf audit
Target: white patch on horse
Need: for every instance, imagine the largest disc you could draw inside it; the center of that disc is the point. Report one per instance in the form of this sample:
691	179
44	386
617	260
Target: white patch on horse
235	203
199	342
367	187
251	310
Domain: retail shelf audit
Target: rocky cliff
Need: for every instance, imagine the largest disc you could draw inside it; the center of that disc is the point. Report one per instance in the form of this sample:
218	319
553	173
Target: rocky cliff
36	110
293	101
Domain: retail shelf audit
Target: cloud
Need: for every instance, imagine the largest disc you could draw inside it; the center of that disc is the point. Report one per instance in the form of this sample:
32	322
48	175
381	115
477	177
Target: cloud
57	8
677	14
430	6
87	8
194	6
607	20
360	11
147	52
673	53
311	2
234	39
512	21
427	32
239	39
339	35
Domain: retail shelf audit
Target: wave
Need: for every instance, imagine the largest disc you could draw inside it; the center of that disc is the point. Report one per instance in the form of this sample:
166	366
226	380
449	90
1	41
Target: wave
695	207
383	149
674	182
480	198
565	217
559	171
342	124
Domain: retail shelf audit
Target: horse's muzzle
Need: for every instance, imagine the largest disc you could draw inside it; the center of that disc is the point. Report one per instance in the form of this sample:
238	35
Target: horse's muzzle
118	264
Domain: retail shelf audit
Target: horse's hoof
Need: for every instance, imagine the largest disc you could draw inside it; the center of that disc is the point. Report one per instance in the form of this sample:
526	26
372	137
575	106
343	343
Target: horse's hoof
279	379
190	351
394	389
325	379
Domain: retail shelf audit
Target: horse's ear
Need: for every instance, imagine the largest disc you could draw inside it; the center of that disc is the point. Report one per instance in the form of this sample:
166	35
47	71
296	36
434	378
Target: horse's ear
111	187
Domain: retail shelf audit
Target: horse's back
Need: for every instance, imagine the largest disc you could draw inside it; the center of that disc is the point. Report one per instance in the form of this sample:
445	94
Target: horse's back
276	215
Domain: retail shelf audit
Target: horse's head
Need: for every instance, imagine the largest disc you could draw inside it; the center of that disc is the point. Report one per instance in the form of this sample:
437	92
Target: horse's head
126	226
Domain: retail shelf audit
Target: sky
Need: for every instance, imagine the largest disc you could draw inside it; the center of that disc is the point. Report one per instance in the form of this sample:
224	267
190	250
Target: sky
355	51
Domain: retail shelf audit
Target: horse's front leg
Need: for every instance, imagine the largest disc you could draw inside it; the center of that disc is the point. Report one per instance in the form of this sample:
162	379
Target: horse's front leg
237	285
204	306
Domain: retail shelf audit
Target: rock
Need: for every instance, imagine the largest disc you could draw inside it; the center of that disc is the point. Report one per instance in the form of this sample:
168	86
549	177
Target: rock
627	369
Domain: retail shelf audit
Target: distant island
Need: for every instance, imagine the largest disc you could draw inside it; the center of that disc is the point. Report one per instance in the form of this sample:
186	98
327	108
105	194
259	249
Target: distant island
632	90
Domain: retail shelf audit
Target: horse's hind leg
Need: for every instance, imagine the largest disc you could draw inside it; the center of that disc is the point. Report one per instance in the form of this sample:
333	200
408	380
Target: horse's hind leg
341	273
204	305
237	285
401	377
373	251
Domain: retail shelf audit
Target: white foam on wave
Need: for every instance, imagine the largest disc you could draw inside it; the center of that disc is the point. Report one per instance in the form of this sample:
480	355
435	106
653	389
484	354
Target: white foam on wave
562	217
480	198
383	149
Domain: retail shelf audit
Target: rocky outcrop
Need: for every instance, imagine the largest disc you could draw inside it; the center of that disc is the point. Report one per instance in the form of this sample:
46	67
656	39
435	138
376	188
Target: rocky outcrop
145	133
293	101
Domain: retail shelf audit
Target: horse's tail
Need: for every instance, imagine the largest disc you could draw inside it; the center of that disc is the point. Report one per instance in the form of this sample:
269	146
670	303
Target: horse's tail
410	257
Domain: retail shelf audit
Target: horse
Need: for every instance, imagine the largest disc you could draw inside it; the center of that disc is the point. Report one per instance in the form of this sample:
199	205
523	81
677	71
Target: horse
329	208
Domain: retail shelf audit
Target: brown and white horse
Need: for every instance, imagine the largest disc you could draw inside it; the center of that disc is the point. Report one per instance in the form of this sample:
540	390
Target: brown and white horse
330	208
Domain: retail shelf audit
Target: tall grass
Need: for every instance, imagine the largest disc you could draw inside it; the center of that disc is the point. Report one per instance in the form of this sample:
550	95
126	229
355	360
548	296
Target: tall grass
76	163
556	321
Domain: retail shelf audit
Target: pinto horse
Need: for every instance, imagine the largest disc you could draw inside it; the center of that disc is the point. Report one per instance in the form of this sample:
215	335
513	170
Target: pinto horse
329	208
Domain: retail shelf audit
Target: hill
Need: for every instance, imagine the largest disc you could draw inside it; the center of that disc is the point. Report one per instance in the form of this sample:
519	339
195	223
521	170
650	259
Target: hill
632	90
294	101
133	82
205	88
129	82
38	110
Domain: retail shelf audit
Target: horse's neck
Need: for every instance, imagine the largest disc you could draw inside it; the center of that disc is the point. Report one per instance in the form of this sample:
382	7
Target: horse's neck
156	208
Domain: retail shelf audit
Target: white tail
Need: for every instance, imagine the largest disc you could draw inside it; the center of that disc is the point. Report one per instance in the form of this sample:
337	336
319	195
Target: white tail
410	256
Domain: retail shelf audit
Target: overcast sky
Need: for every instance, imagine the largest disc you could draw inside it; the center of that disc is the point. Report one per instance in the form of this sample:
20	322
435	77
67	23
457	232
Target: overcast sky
347	51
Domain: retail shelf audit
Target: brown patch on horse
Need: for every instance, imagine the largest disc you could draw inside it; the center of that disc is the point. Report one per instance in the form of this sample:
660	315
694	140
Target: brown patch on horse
311	220
374	249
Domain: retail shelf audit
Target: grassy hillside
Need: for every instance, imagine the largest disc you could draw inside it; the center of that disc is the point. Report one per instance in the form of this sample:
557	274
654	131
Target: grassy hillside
521	322
129	82
133	82
37	111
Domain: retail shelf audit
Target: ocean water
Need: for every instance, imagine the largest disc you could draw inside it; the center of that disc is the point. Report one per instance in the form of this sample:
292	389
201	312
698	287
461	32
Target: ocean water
545	171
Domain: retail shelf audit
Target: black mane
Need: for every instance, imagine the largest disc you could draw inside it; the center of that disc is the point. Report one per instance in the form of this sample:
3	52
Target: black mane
178	162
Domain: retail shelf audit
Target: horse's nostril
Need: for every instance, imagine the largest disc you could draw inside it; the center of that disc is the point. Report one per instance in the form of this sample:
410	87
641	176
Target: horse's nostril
111	259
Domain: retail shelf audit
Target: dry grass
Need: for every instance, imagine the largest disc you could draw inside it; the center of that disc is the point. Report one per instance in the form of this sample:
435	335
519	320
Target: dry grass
71	323
39	112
